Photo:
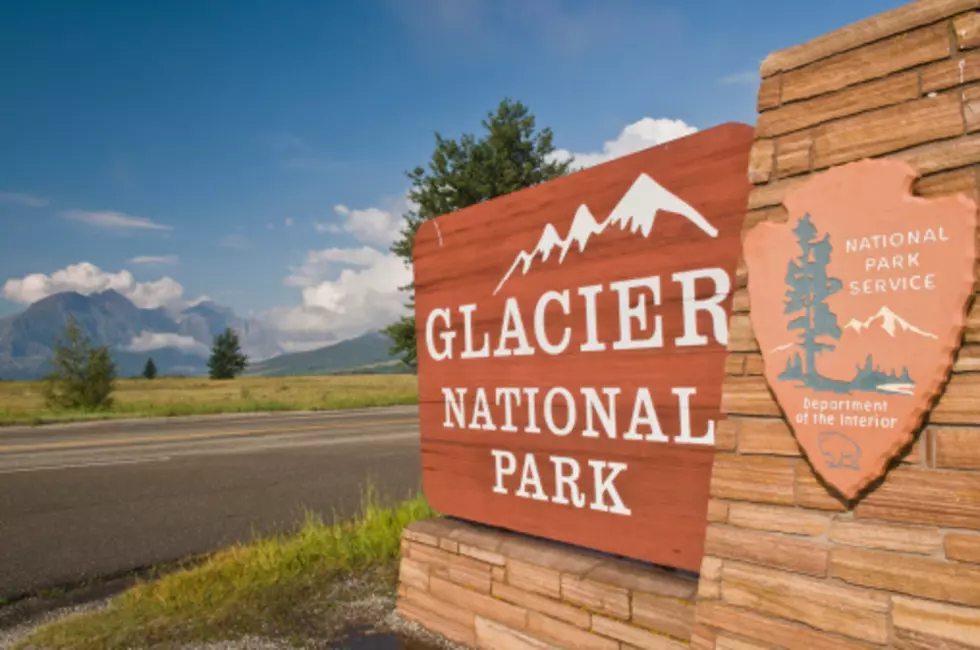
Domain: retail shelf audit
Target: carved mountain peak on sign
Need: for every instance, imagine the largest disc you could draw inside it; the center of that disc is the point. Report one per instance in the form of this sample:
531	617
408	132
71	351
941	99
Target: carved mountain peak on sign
888	321
635	212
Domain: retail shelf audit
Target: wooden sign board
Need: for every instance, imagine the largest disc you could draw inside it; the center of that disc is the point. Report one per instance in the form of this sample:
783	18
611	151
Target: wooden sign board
572	340
859	303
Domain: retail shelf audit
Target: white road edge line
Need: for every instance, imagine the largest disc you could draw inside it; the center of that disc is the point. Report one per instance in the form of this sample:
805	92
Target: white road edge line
107	463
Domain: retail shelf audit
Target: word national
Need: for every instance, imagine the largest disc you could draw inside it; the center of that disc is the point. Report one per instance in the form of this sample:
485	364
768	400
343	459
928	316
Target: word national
602	414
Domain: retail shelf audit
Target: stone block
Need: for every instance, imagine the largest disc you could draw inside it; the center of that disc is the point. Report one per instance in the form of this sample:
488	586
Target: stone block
960	181
487	557
938	156
952	72
734	365
794	154
634	636
889	537
768	97
725	642
726	433
665	615
922	624
963	547
872	61
887	129
596	596
470	573
851	101
766	436
533	578
567	636
971	108
958	403
897	21
538	603
752	478
778	519
916	576
636	576
436	622
748	396
491	635
414	574
761	161
717	511
957	447
741	338
917	495
778	633
480	604
811	493
772	194
857	613
967	28
767	549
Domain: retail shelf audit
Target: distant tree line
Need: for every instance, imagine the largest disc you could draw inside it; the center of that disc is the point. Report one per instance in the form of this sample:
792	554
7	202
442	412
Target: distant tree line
83	376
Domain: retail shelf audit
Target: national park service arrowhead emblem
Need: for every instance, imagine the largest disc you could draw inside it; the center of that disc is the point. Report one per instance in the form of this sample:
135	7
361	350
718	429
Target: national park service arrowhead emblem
858	303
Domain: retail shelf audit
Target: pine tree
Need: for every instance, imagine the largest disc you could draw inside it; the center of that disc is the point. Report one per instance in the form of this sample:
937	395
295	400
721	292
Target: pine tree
512	155
150	369
227	360
809	289
82	377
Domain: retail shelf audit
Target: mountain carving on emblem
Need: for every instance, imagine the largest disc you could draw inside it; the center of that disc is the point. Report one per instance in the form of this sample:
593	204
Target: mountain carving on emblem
888	321
635	212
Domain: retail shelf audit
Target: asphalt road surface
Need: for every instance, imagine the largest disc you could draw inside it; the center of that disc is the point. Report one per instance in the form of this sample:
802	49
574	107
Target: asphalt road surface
84	501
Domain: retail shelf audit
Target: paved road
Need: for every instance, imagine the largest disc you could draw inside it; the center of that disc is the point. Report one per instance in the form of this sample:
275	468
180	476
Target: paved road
88	500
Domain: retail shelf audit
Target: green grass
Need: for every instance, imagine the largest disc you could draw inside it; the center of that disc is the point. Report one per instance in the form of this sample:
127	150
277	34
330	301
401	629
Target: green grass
282	587
22	402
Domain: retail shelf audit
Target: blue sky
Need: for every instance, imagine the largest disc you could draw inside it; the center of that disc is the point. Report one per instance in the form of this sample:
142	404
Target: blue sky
221	136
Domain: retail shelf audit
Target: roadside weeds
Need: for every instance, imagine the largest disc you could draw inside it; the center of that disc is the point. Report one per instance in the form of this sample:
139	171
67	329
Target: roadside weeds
308	588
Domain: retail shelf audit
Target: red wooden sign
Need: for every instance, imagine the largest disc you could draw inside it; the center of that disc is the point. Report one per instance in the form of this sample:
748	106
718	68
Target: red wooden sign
859	303
572	339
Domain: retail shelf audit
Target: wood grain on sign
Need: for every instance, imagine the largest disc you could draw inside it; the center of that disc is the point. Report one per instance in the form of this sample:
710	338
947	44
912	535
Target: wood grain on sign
672	209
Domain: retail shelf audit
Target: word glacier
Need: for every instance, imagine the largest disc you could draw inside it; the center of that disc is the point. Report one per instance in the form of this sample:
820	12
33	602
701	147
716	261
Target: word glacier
513	339
603	415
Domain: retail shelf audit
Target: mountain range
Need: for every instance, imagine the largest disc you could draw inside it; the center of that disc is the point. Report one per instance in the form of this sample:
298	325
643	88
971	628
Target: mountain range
635	212
888	321
178	342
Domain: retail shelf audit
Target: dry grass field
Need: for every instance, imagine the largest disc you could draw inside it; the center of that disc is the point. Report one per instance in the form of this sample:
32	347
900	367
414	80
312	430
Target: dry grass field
22	402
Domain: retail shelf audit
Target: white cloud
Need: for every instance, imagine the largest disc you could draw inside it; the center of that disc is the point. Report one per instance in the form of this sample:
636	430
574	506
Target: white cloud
345	291
147	341
165	292
86	278
27	200
289	222
740	78
378	226
155	259
236	241
643	134
110	219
